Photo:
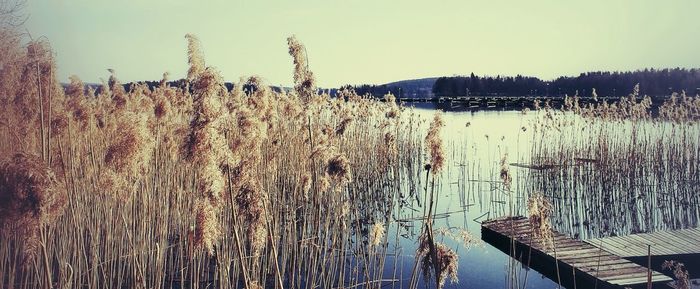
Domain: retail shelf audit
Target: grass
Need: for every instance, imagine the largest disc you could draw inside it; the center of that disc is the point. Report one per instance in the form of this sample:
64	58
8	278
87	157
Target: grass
621	168
188	185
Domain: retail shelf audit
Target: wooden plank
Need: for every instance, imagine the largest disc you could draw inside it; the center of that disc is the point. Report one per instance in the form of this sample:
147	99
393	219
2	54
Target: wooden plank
675	242
569	245
622	273
621	246
696	233
526	231
570	251
663	246
512	226
626	280
607	243
596	258
658	247
613	246
559	243
602	269
578	250
589	259
505	221
583	252
513	229
662	242
589	263
690	237
630	274
524	235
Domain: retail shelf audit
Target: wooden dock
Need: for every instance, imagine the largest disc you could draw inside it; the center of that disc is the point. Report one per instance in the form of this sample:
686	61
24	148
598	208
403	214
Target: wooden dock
663	243
578	262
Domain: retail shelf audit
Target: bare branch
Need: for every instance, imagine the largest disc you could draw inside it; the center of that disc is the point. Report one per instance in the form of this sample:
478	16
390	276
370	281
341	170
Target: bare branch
11	13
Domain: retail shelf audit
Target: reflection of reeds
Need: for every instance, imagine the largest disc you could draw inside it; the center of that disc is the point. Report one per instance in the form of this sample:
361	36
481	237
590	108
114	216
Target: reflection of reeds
620	167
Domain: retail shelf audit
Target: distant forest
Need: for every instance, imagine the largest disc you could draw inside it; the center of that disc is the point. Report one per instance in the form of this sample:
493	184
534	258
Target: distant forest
405	88
653	82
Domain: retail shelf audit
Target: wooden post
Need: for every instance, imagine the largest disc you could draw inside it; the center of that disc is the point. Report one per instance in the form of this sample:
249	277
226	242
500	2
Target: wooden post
648	266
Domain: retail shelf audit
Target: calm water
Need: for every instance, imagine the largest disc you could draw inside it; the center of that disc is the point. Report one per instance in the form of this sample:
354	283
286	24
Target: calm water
470	190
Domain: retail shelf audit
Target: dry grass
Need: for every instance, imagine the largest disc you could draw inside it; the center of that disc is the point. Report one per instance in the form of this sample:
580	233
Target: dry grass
619	168
540	212
31	197
188	185
679	271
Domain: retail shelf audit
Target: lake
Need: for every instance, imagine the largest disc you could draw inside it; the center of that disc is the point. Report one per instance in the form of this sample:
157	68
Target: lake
470	190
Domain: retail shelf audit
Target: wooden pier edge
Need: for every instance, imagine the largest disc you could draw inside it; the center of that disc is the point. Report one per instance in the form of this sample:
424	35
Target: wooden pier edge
578	262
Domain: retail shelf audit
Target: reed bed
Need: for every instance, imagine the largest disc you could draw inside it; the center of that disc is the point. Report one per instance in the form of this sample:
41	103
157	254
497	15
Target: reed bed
189	185
619	168
186	184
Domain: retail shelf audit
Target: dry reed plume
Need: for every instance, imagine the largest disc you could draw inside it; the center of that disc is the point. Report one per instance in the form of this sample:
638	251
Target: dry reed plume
505	172
433	144
214	188
206	146
631	167
679	271
434	259
443	264
376	234
540	212
304	81
30	197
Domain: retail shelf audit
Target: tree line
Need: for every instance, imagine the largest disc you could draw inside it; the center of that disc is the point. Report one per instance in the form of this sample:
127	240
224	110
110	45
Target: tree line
653	82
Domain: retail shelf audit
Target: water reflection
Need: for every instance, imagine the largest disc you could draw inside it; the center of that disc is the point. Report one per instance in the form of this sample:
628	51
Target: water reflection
592	196
470	191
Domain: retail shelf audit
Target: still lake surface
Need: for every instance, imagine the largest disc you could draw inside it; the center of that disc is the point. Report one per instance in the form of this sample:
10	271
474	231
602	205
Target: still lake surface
470	191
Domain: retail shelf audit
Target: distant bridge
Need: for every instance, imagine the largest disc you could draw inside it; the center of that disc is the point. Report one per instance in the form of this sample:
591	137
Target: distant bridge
512	102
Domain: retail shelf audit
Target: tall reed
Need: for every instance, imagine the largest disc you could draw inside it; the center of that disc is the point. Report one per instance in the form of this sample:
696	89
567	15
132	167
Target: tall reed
186	184
619	168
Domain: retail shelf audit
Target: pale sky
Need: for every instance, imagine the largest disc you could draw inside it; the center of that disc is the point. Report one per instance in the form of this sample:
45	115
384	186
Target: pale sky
367	41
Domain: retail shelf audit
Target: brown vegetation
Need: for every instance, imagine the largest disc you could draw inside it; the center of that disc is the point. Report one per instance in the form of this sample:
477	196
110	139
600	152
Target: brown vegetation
193	185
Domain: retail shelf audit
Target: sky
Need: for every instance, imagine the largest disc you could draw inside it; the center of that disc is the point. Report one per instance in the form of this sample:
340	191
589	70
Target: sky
367	41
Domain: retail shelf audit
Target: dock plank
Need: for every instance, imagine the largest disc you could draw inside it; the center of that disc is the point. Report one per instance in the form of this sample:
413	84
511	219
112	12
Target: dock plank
684	236
691	235
588	259
675	242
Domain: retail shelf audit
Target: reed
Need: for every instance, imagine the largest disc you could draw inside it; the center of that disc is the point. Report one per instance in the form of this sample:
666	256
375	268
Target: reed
189	185
618	168
679	271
